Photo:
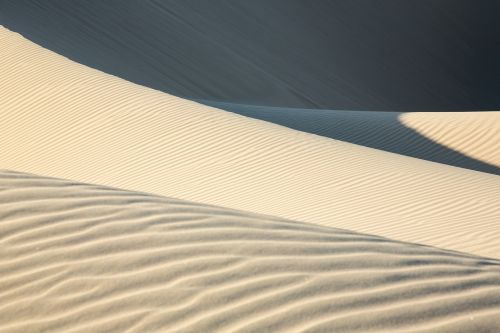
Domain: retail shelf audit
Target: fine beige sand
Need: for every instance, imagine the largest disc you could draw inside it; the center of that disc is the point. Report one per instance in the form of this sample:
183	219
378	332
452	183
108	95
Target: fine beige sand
465	139
252	205
65	120
86	258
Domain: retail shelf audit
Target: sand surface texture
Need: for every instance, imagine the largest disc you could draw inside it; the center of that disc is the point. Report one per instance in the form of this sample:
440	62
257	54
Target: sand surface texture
192	166
62	119
85	258
465	139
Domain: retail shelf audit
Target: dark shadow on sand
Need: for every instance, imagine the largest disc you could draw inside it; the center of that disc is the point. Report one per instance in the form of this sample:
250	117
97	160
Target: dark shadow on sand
425	55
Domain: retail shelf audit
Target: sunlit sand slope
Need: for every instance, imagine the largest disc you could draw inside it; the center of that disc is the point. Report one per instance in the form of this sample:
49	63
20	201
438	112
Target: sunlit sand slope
62	119
473	134
465	139
86	258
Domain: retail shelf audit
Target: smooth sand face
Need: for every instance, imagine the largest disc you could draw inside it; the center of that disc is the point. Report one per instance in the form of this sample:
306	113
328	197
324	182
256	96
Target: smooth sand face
65	120
86	258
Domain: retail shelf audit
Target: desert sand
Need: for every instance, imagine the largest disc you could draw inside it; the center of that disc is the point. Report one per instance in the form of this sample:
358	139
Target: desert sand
85	258
66	120
464	139
125	208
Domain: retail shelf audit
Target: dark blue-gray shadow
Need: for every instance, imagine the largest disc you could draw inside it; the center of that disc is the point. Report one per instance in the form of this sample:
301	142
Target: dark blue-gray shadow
425	55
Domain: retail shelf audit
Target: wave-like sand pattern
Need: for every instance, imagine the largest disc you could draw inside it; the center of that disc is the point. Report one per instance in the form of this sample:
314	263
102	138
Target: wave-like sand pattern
464	139
65	120
86	258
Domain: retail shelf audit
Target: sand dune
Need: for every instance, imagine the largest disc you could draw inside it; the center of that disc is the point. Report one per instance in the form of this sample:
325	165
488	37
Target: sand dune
335	54
86	258
358	56
63	119
465	139
252	205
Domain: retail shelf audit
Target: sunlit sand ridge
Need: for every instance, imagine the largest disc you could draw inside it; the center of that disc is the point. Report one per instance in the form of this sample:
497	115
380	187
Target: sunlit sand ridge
464	139
199	166
66	120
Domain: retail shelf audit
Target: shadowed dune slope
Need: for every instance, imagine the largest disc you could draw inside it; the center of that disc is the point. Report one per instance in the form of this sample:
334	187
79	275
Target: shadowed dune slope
86	258
362	54
465	139
336	54
66	120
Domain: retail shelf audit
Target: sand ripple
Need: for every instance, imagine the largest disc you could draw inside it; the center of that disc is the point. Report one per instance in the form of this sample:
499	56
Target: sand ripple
85	258
62	119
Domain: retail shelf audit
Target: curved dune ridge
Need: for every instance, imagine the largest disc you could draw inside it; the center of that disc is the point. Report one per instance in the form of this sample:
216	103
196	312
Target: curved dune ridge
65	120
465	139
477	136
335	54
86	258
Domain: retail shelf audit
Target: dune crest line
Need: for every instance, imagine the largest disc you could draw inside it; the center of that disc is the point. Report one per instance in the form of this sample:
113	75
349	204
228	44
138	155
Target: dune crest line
66	120
468	140
336	54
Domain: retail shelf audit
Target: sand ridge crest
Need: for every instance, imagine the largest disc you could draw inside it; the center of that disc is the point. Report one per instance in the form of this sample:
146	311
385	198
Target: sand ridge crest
128	209
62	119
464	139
